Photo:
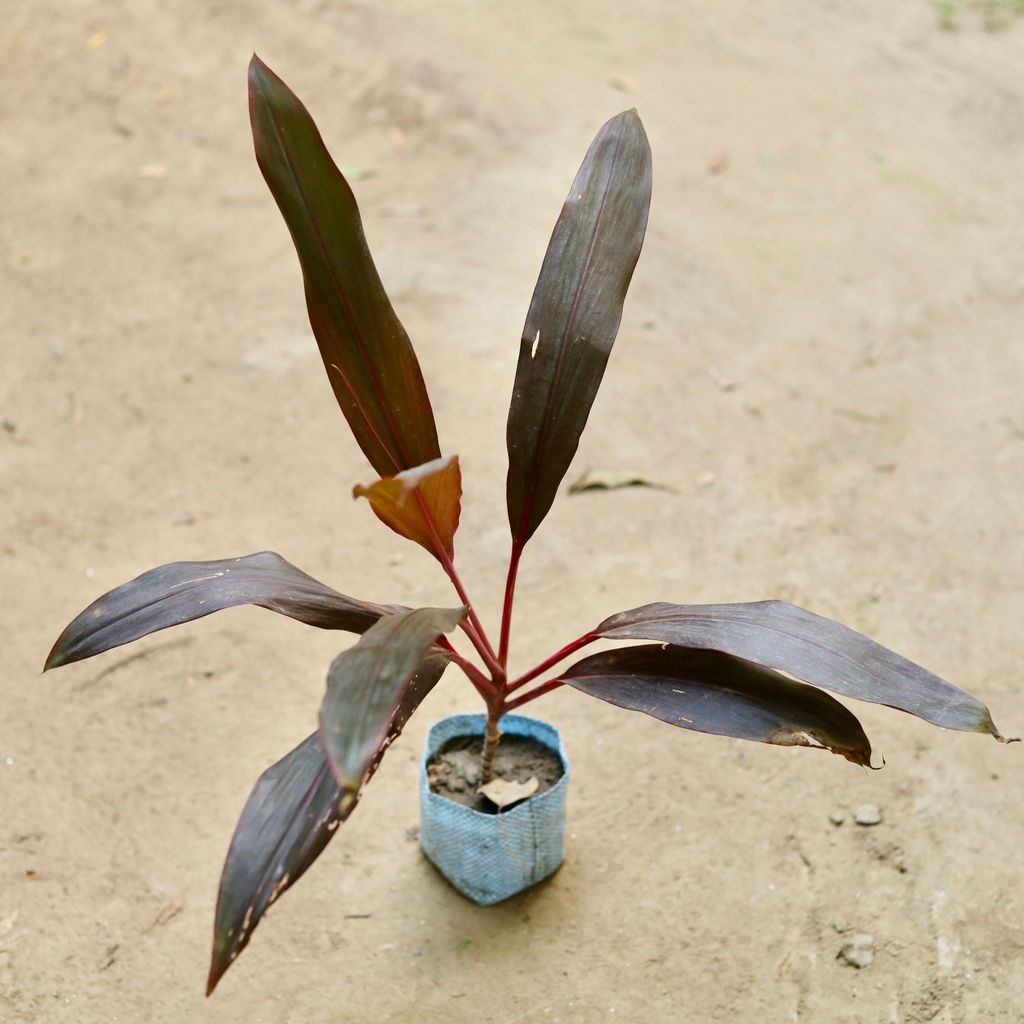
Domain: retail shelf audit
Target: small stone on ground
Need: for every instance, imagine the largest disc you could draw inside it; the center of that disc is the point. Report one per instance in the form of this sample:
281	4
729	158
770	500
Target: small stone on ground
867	814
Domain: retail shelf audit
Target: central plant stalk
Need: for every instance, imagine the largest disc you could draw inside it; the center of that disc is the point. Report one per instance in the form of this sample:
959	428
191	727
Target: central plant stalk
492	682
492	734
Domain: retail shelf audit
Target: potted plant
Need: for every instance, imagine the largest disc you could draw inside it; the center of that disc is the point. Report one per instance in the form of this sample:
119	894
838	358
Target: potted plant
755	671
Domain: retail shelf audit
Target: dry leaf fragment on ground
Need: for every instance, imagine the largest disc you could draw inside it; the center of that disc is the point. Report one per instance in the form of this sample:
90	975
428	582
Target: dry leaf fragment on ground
611	480
859	952
718	163
720	381
505	792
167	913
623	83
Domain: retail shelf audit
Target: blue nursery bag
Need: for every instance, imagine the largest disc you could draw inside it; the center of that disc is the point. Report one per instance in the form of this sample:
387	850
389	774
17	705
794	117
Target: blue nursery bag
490	857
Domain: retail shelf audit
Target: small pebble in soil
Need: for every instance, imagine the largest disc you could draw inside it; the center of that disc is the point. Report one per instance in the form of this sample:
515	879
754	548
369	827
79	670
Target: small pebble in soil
837	818
867	814
859	952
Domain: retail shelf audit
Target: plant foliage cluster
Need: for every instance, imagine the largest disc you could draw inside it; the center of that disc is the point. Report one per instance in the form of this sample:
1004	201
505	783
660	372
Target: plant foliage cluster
756	671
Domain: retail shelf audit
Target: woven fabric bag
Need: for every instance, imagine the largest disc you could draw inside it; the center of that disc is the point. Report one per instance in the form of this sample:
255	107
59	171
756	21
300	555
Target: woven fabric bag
490	857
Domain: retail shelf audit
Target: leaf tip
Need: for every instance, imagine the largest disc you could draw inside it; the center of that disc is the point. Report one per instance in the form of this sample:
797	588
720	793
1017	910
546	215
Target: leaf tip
254	72
260	76
350	791
856	755
987	726
631	122
256	65
218	967
216	973
56	657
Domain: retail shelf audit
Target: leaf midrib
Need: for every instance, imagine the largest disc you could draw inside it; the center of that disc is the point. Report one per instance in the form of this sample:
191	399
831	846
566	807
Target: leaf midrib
945	705
541	446
349	316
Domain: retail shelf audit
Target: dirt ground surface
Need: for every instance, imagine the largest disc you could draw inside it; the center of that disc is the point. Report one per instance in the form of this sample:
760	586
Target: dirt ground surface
821	353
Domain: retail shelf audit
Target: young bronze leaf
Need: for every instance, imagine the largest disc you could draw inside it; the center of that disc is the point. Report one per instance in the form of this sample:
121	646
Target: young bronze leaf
574	316
422	504
367	354
183	591
820	651
711	692
295	808
366	685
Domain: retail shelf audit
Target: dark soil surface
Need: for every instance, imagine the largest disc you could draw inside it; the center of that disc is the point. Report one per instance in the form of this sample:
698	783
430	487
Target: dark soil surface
455	771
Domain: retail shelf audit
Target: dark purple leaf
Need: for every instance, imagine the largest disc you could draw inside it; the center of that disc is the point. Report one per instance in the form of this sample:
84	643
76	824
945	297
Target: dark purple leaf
707	691
574	316
817	650
293	811
367	354
367	683
289	818
183	591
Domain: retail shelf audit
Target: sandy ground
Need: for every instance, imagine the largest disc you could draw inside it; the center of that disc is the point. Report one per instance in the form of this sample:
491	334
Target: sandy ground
821	353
